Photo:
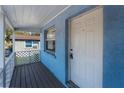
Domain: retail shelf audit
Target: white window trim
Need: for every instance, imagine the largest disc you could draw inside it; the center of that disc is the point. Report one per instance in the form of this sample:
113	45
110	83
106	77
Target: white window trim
51	52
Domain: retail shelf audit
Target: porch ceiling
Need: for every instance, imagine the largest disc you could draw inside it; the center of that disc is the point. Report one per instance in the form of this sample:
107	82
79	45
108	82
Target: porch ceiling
31	16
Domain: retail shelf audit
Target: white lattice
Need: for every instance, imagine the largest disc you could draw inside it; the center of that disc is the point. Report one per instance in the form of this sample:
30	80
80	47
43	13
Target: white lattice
26	57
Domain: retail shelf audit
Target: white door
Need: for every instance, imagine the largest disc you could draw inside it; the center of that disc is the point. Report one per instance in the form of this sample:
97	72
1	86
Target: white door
86	44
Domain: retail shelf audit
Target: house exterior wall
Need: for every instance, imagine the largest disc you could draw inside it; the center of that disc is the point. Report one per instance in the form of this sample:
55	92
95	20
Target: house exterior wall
57	64
113	46
20	46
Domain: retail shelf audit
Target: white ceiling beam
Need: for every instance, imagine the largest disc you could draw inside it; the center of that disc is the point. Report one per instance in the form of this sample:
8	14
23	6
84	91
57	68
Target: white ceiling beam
57	14
7	18
0	9
28	29
32	16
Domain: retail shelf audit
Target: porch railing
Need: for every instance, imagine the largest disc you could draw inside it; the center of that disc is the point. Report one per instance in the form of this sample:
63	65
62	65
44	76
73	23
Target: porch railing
7	71
15	59
26	57
1	77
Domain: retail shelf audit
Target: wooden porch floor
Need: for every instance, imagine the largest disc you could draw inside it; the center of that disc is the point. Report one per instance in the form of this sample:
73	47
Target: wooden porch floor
34	75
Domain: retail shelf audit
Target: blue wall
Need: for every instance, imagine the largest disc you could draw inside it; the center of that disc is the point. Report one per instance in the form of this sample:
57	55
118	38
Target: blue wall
113	54
57	64
113	46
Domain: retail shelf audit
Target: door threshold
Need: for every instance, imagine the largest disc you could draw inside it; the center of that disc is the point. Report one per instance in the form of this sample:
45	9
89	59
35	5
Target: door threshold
71	84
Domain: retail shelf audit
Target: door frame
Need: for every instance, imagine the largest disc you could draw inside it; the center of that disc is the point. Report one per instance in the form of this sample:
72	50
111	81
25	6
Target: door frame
68	40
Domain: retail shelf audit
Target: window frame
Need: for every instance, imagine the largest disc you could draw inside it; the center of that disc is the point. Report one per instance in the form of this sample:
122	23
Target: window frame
45	39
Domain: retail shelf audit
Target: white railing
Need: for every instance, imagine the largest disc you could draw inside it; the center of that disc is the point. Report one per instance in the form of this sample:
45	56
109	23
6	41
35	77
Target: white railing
9	67
1	77
7	71
15	59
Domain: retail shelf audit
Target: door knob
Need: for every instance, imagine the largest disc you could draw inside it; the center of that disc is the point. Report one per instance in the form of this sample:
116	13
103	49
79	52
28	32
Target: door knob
71	49
71	55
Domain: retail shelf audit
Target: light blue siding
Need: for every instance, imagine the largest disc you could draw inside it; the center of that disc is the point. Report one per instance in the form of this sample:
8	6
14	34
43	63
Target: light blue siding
113	46
113	53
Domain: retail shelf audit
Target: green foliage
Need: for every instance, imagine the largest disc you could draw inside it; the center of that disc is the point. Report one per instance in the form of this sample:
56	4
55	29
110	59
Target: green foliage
8	41
8	34
22	33
27	33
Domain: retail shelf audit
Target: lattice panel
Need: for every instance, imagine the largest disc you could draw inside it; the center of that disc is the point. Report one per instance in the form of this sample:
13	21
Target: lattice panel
22	54
26	57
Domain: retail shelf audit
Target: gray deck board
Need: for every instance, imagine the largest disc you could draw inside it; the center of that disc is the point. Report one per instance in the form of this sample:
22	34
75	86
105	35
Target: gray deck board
34	75
23	77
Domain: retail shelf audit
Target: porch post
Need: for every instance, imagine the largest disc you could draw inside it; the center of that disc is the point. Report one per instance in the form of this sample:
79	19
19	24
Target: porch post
40	46
13	40
2	38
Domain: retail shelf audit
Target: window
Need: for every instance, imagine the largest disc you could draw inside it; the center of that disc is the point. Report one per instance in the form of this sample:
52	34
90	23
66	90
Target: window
50	40
28	43
35	44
